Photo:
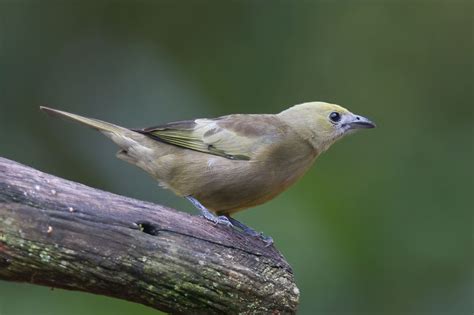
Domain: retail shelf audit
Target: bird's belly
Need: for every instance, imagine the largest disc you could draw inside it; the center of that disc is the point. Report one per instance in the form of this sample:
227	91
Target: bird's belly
231	190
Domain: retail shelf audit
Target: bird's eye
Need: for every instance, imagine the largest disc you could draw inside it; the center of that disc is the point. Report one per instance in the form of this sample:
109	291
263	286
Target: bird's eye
335	116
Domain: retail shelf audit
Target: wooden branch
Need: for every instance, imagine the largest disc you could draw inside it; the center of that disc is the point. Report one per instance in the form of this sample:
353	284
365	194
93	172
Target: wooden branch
63	234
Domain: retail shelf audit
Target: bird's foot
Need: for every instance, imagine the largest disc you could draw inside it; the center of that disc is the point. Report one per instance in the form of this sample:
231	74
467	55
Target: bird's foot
228	221
268	240
208	215
249	231
217	219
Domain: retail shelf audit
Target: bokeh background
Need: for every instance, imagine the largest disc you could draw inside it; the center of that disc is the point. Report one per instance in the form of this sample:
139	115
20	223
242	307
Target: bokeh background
383	224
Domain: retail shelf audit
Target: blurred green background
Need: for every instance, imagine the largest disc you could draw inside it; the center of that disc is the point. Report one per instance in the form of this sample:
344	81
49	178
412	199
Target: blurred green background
382	225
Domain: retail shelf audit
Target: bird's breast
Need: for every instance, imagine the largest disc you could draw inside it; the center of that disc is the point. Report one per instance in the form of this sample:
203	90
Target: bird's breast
245	184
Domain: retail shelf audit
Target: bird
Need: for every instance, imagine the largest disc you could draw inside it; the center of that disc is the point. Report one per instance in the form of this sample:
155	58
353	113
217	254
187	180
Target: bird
230	163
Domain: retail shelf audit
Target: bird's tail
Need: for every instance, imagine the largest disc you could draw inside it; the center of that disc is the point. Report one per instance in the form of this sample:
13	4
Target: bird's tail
133	144
90	122
136	148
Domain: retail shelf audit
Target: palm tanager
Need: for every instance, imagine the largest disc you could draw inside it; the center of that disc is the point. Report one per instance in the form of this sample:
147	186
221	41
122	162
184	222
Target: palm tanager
234	162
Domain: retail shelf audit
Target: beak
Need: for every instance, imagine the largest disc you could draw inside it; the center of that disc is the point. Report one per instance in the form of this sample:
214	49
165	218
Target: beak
359	122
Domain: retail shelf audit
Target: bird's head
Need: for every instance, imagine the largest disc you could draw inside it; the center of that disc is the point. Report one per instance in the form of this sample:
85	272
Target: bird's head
323	123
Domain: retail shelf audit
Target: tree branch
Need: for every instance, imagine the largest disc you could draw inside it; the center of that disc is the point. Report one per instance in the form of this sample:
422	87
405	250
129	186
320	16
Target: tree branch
63	234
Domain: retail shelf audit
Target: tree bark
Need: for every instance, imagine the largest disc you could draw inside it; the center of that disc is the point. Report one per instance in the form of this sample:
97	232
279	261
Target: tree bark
63	234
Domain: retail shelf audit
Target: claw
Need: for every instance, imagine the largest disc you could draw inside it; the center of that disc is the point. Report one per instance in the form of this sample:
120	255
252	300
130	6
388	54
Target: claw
268	240
218	220
249	231
208	215
228	221
223	220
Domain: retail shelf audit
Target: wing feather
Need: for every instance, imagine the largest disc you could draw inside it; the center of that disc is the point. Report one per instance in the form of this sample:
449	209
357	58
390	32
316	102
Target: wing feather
235	137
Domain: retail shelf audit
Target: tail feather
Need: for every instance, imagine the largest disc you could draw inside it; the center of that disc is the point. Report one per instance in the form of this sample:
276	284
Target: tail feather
91	122
136	148
125	138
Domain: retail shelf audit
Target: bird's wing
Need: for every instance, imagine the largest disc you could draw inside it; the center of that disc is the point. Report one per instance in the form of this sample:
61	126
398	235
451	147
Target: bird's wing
234	137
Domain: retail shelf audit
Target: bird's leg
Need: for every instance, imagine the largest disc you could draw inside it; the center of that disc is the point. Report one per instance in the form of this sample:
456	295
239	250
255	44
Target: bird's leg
248	230
208	214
